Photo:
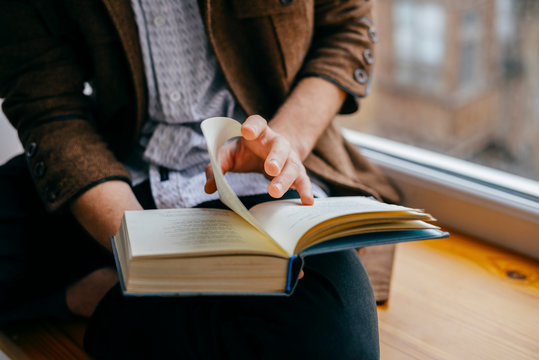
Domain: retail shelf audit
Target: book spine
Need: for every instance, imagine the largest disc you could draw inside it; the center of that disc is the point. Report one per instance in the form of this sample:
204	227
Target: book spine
290	269
294	268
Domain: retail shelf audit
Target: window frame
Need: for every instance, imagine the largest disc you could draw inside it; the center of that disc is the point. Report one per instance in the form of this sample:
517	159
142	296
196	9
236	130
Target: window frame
489	204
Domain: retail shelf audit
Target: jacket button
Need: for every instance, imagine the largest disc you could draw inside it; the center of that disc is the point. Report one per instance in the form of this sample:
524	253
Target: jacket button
361	76
286	2
159	21
31	149
364	20
175	96
368	56
39	169
372	34
51	193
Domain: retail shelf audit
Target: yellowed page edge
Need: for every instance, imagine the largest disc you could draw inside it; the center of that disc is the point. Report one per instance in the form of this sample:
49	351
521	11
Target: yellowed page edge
338	232
287	220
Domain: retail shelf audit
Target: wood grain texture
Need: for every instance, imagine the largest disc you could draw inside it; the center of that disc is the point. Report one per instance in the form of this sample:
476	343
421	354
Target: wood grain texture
460	299
9	350
45	340
378	261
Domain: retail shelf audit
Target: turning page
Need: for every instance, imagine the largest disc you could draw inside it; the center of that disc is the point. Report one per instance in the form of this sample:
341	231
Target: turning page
217	131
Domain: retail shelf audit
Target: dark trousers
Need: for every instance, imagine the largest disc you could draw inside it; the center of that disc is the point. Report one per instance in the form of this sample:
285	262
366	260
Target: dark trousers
331	314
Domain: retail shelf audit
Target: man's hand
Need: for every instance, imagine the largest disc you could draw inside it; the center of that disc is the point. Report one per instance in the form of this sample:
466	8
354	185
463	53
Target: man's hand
279	149
262	149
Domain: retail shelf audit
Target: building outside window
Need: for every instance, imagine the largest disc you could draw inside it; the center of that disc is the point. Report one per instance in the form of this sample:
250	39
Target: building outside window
458	77
419	45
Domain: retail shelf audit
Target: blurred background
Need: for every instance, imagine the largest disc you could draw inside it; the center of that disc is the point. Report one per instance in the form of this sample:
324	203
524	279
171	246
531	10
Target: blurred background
458	77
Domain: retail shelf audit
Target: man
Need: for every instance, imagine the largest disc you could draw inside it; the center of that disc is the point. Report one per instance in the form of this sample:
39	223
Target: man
132	141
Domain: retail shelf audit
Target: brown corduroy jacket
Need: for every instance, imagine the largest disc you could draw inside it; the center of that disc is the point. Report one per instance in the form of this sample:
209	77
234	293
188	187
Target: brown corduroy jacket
73	141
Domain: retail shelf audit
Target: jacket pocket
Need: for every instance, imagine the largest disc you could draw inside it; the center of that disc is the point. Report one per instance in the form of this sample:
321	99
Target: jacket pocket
255	8
289	22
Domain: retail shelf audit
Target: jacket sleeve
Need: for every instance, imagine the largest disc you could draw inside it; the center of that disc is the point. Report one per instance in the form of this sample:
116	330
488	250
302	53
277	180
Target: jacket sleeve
342	50
41	80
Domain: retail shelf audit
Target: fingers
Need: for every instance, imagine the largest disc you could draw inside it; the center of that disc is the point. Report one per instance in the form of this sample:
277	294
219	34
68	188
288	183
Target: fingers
210	187
293	175
280	160
262	149
226	156
280	184
277	157
273	148
305	189
253	127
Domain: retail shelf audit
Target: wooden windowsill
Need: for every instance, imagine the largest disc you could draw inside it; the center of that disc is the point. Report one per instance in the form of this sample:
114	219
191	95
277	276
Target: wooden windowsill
459	298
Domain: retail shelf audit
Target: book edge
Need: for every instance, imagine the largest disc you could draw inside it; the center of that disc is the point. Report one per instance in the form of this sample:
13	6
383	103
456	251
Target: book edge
295	265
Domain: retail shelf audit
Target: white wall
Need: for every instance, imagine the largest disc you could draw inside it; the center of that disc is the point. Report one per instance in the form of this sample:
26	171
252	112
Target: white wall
9	142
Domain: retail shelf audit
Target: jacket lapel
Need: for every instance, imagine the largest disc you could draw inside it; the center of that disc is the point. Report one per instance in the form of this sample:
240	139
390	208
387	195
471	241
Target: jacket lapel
122	16
228	40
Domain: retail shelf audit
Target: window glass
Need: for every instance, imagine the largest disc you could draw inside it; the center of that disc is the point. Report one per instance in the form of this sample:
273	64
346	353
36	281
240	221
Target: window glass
458	77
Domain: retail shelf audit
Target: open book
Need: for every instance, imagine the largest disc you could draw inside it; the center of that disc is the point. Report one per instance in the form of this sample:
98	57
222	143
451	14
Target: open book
256	251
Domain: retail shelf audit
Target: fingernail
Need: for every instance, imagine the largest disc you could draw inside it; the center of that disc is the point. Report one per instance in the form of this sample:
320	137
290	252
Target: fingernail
275	163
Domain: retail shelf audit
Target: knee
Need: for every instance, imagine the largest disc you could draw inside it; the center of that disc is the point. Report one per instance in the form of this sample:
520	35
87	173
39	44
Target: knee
342	333
343	321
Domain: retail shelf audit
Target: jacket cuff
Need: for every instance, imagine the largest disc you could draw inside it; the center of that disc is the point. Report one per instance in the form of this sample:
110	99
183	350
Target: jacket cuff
351	103
355	81
66	158
348	63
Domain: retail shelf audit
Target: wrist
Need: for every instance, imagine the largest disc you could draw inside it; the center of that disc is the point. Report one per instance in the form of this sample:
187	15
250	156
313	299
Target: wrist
305	115
100	209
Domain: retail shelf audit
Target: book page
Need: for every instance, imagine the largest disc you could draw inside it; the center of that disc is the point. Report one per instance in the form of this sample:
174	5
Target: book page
376	226
193	231
287	220
217	131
